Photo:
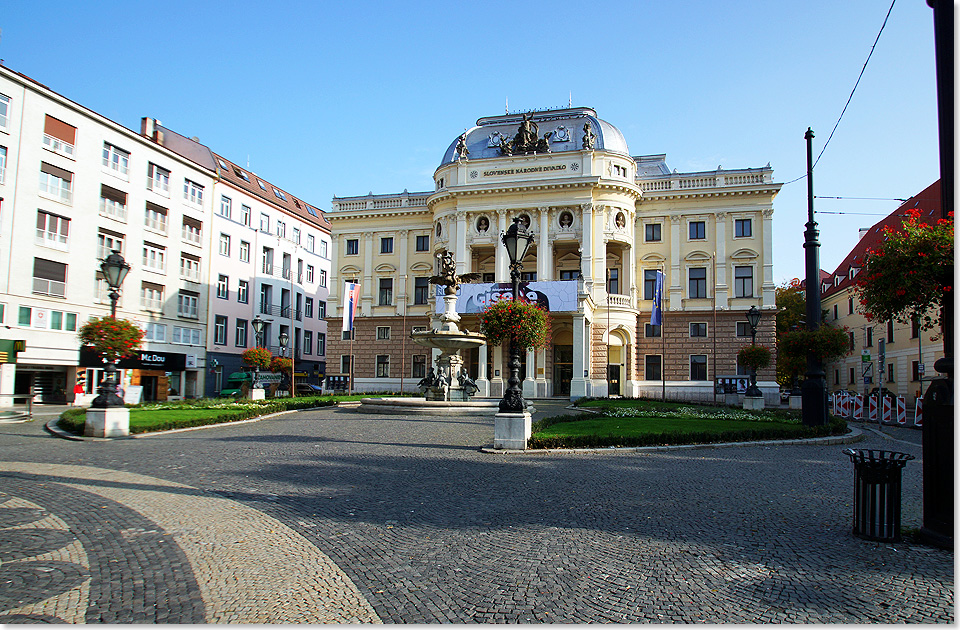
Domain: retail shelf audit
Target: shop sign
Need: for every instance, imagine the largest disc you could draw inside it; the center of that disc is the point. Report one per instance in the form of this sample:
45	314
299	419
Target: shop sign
142	360
556	296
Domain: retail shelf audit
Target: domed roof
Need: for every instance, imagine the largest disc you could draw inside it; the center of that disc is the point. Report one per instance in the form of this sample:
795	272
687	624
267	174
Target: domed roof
565	127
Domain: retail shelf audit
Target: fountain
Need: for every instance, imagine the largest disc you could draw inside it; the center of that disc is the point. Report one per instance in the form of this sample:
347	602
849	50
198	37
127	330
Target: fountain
448	388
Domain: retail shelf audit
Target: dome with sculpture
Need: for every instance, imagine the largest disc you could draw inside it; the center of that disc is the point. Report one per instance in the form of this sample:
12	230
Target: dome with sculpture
548	131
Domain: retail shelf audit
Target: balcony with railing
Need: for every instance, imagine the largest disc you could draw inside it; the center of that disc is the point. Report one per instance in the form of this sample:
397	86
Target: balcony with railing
709	179
43	286
57	145
113	209
280	311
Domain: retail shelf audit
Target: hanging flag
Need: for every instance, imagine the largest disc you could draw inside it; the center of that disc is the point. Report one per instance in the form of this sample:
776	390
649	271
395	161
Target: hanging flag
351	298
656	316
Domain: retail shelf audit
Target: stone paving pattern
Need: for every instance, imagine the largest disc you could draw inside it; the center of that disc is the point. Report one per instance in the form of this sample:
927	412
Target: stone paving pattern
331	515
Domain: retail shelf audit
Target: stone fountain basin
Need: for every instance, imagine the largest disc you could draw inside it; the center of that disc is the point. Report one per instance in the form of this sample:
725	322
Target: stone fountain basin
448	340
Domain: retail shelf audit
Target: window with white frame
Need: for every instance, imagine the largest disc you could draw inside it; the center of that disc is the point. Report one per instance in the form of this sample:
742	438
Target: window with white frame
279	194
743	329
321	309
321	344
698	329
323	278
307	342
59	137
102	291
697	282
244	251
155	332
56	183
698	230
223	287
245	212
224	244
193	192
281	229
3	163
155	218
154	257
158	179
191	230
323	248
52	230
113	203
243	292
264	222
309	273
421	290
651	232
4	110
742	281
311	239
386	292
419	366
225	206
187	336
698	367
386	245
383	365
240	334
107	242
190	267
220	329
49	277
187	304
296	235
116	159
151	296
308	307
383	332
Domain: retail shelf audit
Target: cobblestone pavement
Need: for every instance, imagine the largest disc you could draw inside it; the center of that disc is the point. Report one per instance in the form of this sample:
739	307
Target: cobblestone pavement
333	515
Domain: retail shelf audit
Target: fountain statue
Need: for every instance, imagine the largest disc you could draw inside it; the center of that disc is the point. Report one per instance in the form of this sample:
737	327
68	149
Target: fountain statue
450	381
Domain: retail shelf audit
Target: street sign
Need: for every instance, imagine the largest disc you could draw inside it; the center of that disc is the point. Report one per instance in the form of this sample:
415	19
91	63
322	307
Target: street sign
920	368
867	371
865	357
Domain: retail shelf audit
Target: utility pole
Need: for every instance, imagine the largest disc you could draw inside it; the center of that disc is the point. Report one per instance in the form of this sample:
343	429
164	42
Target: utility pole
814	390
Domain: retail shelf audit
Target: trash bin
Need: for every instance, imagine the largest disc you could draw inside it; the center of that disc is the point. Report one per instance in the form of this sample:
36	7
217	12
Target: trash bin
876	493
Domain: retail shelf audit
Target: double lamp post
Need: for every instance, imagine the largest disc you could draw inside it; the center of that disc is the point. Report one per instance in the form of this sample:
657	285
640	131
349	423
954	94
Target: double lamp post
114	269
517	239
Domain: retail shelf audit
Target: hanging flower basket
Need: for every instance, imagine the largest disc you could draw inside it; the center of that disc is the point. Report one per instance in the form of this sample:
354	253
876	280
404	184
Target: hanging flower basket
755	357
257	358
504	318
111	338
281	365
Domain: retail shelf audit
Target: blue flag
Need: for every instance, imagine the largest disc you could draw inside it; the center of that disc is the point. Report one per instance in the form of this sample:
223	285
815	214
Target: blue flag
656	316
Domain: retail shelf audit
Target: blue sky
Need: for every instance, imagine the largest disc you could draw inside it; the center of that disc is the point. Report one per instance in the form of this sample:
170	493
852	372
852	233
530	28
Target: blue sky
327	98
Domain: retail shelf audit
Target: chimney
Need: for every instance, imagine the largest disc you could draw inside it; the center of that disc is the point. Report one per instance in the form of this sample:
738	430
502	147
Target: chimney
147	127
863	232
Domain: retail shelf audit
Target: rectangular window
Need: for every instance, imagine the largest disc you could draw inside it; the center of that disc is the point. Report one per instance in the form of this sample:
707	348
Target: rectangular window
851	377
281	229
386	245
296	235
849	306
107	242
25	316
225	206
154	257
190	267
191	230
52	230
279	194
243	292
836	314
240	334
58	136
650	331
419	367
155	218
383	332
63	321
151	296
353	246
423	242
649	283
4	110
914	327
890	331
323	278
220	330
528	276
156	332
743	227
321	309
187	303
224	244
116	159
347	335
698	367
3	163
743	329
244	251
613	280
869	336
651	367
307	342
311	242
565	274
889	372
698	329
698	282
158	179
193	192
421	290
743	282
321	344
56	183
698	230
308	307
245	213
310	273
187	336
223	287
386	292
264	222
49	277
113	203
345	364
915	371
323	248
383	365
651	232
851	339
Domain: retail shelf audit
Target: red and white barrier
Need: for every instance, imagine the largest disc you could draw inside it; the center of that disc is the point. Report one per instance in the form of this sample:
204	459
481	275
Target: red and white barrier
901	410
872	408
918	418
886	407
858	407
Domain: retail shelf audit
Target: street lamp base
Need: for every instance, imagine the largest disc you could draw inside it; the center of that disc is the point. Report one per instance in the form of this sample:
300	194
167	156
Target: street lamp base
512	430
107	422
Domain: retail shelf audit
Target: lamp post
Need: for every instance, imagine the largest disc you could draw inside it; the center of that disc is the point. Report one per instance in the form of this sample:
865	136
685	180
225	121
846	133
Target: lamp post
284	339
257	324
753	318
517	240
114	269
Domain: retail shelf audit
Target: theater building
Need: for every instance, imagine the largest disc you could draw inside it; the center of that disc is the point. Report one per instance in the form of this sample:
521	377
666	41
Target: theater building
604	222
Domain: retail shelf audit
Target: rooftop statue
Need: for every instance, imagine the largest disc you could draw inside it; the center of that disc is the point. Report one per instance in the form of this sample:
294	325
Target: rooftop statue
527	139
448	274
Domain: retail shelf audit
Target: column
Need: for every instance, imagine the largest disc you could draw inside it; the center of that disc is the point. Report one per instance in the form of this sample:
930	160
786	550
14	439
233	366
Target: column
720	282
483	383
460	246
766	257
502	273
581	366
544	248
586	251
675	274
497	382
542	375
599	249
529	385
8	377
401	288
368	292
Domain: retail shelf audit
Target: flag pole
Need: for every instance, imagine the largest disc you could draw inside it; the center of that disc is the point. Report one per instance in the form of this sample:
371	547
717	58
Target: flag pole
714	335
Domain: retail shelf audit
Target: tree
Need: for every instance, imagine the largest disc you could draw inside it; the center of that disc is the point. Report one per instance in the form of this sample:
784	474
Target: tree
791	305
827	343
910	274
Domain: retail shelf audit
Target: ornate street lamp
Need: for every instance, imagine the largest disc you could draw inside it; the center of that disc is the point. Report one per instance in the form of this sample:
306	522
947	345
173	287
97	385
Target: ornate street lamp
753	318
114	269
284	338
517	240
257	324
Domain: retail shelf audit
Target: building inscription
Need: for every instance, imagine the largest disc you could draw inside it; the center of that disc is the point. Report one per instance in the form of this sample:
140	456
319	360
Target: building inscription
529	169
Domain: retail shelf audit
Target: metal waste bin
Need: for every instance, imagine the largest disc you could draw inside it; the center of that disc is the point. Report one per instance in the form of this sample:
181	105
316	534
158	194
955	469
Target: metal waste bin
876	493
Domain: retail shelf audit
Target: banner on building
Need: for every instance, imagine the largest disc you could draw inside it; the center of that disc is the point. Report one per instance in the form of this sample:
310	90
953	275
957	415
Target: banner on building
351	299
555	296
142	360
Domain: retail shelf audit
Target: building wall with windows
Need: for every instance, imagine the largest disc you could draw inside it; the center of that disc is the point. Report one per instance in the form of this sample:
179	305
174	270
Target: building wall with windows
74	186
906	347
602	220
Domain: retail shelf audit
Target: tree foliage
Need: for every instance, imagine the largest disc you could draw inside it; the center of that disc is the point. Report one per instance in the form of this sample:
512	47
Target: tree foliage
911	273
754	356
791	305
827	343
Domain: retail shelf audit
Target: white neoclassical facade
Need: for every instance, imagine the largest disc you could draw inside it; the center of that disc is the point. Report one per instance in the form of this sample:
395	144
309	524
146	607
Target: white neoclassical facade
604	222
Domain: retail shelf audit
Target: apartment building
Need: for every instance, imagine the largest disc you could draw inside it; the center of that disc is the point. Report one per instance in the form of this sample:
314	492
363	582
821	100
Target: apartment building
908	352
604	222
